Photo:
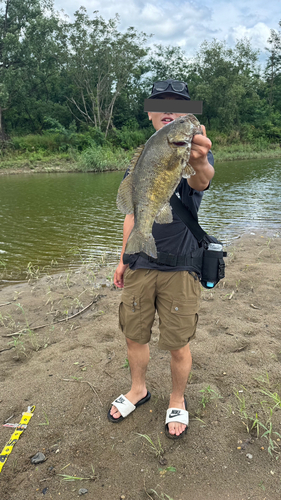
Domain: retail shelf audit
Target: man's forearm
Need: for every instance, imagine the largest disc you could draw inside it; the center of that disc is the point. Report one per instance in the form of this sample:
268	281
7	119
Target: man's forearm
204	173
127	229
200	147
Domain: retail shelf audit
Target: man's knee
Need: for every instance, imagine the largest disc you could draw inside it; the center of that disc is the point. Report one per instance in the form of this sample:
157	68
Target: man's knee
182	353
135	345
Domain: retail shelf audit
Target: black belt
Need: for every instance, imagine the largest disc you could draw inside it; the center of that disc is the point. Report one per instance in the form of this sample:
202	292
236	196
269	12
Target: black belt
168	259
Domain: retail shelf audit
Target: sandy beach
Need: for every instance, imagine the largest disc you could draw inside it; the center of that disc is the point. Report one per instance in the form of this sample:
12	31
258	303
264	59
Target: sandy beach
74	366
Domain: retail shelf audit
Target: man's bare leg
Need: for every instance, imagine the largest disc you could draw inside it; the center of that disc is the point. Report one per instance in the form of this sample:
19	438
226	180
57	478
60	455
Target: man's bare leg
181	362
138	357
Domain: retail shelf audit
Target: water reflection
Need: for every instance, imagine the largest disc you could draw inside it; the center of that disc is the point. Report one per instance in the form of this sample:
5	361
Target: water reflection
44	217
244	197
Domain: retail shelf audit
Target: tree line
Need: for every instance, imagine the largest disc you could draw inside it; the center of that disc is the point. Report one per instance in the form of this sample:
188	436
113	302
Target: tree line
85	76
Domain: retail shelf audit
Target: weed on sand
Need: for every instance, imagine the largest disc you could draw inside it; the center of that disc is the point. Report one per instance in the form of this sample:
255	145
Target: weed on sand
156	449
259	416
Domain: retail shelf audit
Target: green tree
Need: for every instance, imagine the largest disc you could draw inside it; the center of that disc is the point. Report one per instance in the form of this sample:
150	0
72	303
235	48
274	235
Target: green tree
226	81
32	50
273	69
4	99
167	62
101	63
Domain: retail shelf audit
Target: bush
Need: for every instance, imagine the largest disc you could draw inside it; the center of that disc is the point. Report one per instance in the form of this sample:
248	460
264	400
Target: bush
57	141
260	144
272	131
217	138
98	159
129	139
30	143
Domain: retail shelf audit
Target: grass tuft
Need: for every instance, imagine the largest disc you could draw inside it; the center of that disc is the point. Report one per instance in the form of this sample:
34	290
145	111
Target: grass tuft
155	448
207	395
260	423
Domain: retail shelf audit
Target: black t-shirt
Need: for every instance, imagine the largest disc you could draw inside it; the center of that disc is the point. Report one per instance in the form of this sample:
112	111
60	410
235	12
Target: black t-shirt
174	238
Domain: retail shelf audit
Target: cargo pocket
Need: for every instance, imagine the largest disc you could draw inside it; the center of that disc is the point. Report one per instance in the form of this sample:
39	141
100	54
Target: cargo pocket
130	316
184	318
185	307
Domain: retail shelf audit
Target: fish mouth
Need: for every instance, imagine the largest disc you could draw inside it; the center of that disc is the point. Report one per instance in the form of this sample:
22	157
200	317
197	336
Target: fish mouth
178	144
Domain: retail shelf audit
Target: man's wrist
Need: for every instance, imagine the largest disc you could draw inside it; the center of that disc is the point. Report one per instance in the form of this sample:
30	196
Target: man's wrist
204	174
121	263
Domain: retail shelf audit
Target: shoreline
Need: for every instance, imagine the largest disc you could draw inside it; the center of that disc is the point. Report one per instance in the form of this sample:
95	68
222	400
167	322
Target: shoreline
78	269
55	164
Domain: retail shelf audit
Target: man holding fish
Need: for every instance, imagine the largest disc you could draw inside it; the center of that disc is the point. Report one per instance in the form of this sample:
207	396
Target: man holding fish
153	269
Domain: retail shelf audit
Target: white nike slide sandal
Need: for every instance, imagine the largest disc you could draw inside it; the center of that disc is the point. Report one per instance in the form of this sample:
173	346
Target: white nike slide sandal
125	407
176	415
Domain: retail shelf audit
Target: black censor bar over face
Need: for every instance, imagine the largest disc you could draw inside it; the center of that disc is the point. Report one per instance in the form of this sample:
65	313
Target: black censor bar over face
173	106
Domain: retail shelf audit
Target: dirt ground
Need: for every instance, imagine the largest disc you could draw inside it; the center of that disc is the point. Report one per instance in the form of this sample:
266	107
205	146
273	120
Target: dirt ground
71	371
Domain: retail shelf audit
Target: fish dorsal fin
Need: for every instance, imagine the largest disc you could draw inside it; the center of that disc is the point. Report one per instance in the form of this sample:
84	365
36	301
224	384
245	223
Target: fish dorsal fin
136	157
124	196
125	192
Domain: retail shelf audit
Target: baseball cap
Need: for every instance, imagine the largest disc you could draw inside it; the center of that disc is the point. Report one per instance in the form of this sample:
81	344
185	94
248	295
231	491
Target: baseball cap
172	86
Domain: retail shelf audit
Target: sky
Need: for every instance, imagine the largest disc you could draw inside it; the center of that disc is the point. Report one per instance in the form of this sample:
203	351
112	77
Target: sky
188	23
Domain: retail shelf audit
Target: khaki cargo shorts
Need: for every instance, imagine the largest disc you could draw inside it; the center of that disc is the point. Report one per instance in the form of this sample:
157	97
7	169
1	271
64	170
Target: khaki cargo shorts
175	296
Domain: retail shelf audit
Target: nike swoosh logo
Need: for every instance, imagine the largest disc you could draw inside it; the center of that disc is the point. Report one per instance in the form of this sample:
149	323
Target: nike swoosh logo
172	415
120	401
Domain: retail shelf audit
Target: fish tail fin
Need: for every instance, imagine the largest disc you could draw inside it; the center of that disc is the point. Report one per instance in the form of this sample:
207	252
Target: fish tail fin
138	242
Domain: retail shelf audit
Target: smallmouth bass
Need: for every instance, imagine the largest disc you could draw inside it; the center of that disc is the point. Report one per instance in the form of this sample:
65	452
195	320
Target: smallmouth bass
154	174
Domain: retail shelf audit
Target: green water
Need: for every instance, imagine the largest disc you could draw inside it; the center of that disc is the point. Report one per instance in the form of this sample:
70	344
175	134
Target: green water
50	217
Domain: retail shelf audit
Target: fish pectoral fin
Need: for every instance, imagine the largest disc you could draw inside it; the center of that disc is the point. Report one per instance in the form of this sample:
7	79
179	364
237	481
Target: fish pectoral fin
188	171
165	215
124	197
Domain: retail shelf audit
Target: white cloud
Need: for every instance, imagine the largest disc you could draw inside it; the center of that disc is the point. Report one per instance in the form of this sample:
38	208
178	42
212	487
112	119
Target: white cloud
258	34
186	23
151	14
